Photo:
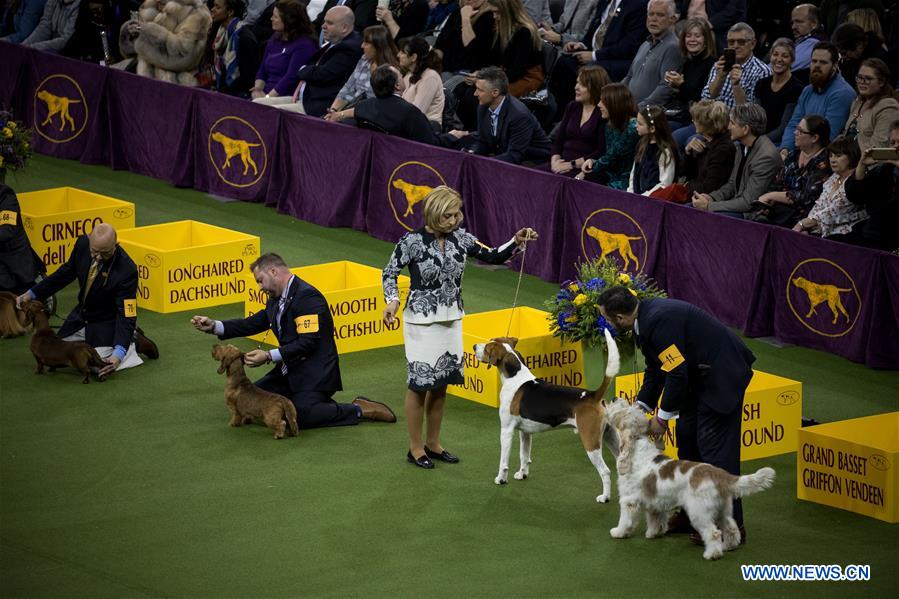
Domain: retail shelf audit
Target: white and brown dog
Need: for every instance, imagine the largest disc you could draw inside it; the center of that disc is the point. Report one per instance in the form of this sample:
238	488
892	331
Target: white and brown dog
651	481
531	405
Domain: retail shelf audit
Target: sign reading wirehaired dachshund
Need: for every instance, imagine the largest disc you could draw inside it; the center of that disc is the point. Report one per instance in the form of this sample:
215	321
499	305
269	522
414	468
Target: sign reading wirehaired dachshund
51	351
247	402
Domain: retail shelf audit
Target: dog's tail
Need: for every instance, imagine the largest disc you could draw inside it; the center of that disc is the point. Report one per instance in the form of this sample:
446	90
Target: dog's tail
753	483
290	414
612	365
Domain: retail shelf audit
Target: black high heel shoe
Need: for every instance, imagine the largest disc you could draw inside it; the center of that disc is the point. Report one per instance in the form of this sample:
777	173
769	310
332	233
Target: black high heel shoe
422	462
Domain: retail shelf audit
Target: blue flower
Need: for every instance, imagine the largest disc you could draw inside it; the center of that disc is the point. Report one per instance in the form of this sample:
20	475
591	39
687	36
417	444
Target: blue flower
595	284
602	323
564	325
564	295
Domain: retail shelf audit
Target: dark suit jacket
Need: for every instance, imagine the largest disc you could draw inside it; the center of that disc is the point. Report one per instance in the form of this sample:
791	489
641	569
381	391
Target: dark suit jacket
327	71
311	357
18	265
763	162
624	36
518	134
397	117
102	312
716	366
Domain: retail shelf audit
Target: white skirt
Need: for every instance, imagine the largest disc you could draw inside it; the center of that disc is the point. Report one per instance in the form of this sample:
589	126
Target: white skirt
130	360
434	355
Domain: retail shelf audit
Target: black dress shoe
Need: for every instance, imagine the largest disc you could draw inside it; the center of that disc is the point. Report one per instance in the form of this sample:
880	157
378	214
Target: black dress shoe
443	456
422	462
144	345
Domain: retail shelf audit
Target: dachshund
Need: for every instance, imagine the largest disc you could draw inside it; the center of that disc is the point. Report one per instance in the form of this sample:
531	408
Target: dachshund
51	351
246	401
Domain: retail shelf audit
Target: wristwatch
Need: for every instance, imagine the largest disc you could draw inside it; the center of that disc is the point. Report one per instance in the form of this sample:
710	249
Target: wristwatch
573	164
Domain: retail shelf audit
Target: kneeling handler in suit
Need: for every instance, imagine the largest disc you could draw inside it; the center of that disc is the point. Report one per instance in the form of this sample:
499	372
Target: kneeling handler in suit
307	368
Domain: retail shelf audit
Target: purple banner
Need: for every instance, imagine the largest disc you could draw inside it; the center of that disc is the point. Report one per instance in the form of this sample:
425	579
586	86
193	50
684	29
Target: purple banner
402	174
883	337
14	56
235	146
601	222
66	108
152	122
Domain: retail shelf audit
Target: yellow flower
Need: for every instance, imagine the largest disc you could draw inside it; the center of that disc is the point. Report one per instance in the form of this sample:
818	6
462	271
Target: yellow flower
634	293
580	299
12	125
7	132
1	160
624	278
571	318
573	287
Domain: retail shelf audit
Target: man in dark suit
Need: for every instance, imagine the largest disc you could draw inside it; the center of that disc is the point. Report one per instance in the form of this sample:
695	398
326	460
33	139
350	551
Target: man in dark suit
703	367
363	13
307	368
506	128
19	264
106	313
388	112
330	67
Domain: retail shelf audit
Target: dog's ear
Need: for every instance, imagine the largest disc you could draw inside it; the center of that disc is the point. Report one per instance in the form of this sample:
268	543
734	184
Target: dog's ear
625	447
511	365
226	362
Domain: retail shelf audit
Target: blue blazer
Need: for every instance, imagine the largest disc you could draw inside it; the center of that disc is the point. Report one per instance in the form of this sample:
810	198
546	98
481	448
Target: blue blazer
327	71
102	312
716	366
624	36
518	136
310	353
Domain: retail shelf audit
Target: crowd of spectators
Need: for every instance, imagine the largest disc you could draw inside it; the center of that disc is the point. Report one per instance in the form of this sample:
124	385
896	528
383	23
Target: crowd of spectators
777	112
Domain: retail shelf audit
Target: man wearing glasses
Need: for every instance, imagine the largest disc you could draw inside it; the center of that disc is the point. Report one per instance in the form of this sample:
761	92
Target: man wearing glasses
827	94
106	313
737	86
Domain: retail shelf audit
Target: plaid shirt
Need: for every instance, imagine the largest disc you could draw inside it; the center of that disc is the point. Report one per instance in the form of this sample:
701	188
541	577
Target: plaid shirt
753	70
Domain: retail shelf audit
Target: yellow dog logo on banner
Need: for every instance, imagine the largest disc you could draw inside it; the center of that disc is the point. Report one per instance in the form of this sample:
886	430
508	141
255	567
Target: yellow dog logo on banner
233	137
236	147
608	231
408	185
823	297
818	294
615	242
60	109
58	105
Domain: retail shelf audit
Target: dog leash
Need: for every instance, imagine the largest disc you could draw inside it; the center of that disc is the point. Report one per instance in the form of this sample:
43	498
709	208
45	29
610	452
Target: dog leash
524	252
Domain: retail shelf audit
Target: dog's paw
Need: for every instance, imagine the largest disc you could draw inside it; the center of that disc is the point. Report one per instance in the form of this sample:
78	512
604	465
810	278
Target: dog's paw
500	480
619	533
712	553
654	534
521	475
602	498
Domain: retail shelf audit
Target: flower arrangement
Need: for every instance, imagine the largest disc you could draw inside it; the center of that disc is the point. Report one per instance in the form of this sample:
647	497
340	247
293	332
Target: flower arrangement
574	313
15	143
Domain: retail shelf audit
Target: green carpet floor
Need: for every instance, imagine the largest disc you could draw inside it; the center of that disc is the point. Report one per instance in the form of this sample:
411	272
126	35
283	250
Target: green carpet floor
137	487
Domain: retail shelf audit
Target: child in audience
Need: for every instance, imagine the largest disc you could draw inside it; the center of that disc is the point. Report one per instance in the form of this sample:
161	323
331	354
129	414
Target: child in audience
655	162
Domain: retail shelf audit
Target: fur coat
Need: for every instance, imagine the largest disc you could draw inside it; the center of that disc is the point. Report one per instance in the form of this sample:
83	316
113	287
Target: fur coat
171	42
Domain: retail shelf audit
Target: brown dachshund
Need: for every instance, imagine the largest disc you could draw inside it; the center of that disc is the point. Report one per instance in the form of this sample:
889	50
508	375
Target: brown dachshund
51	351
246	401
12	320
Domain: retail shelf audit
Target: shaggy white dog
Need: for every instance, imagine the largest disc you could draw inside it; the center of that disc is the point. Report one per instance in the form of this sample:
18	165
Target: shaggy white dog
651	481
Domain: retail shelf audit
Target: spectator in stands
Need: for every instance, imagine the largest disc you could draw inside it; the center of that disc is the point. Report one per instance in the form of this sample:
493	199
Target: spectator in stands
19	18
834	12
709	156
439	14
580	135
855	45
377	49
538	10
867	19
235	52
874	110
655	160
779	92
423	86
833	215
798	186
827	94
875	187
756	164
466	39
738	85
388	112
656	56
328	69
619	109
291	47
363	15
94	37
56	26
404	18
171	39
573	22
255	8
506	128
721	14
613	36
698	51
807	31
517	46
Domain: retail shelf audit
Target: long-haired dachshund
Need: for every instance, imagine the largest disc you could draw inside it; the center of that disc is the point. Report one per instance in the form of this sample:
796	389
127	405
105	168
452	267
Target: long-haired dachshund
51	351
12	320
246	401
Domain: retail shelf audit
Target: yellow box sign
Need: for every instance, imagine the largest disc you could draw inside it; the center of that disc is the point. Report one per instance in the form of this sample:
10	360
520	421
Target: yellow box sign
852	465
55	218
186	265
356	301
546	356
772	414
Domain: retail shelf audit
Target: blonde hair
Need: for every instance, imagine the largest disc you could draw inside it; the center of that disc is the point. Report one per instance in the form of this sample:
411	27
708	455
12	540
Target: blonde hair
440	200
711	115
510	18
867	19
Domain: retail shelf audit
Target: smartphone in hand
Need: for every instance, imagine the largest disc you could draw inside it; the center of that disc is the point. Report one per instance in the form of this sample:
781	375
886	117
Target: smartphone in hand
730	59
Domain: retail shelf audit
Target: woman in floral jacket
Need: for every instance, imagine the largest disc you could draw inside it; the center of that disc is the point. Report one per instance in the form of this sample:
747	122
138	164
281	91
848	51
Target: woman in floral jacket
435	255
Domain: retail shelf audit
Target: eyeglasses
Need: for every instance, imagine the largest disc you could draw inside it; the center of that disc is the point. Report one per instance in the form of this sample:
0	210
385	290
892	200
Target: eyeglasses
862	79
739	42
803	131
